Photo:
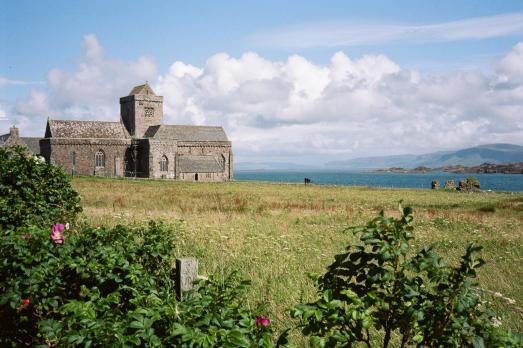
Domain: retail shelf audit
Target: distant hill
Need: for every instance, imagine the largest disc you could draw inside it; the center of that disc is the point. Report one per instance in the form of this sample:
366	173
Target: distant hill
474	156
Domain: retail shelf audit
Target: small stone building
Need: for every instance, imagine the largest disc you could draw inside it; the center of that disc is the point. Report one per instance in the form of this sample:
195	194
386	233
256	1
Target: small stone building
139	145
13	138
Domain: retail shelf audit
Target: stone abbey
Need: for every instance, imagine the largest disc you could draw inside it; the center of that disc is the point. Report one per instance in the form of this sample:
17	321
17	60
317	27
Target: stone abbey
139	145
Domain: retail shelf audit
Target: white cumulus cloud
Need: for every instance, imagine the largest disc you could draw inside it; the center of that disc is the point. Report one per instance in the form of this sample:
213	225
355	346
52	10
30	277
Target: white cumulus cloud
297	110
91	90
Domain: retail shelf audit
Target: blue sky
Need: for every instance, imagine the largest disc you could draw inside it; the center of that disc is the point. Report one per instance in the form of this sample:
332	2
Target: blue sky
299	101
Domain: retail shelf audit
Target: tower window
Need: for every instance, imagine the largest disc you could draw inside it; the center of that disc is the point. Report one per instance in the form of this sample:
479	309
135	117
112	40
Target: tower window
164	164
149	112
99	159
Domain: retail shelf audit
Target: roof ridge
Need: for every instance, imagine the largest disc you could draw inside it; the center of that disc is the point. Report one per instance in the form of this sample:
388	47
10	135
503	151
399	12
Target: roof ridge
191	125
140	89
85	121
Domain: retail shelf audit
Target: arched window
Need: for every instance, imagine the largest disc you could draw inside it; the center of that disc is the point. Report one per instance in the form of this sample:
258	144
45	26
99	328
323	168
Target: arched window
99	159
164	164
73	158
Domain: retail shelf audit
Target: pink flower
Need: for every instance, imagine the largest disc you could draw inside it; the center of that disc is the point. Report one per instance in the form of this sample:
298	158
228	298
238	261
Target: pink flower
58	228
262	321
56	234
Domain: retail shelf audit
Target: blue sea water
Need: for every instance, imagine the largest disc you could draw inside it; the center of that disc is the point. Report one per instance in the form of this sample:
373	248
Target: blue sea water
495	182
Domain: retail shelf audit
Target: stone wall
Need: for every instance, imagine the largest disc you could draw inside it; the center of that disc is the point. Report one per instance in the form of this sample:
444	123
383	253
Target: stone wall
203	149
139	112
60	152
120	157
203	177
158	149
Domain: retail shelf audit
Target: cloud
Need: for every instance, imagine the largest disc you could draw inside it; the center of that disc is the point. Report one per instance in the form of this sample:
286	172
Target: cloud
296	110
3	115
339	34
510	67
91	90
7	82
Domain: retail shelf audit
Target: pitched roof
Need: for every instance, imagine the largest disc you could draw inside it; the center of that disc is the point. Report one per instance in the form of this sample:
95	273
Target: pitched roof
199	164
3	139
33	144
142	89
86	129
187	133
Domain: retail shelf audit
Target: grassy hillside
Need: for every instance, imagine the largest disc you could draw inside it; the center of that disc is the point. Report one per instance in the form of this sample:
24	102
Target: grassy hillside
274	233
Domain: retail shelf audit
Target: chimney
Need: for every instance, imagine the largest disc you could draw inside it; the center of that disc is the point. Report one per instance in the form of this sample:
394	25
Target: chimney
13	131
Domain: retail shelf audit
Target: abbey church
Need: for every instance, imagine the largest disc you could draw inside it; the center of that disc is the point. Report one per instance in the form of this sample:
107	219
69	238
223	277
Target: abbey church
139	145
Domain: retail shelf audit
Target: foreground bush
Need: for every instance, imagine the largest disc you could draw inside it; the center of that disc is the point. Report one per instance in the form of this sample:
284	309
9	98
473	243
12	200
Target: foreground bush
33	192
113	287
376	290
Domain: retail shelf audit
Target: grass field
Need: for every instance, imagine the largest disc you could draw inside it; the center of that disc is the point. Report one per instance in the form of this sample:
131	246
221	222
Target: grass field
275	233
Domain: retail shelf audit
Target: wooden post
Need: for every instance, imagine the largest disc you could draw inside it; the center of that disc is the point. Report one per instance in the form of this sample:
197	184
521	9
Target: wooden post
186	274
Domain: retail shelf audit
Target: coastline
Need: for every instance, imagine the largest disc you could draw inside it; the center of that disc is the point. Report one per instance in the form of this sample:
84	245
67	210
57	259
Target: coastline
495	182
485	168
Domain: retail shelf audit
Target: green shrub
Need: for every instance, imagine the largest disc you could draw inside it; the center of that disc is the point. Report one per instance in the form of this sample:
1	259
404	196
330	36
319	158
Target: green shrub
33	192
99	286
113	287
215	316
376	290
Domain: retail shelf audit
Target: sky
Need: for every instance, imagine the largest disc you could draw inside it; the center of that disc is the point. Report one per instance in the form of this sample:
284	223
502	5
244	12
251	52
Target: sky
295	81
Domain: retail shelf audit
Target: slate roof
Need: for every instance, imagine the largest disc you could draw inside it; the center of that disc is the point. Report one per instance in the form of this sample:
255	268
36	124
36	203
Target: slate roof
199	164
86	129
187	133
142	89
33	144
3	138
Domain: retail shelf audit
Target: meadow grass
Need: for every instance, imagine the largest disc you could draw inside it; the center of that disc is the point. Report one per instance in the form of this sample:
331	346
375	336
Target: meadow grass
274	233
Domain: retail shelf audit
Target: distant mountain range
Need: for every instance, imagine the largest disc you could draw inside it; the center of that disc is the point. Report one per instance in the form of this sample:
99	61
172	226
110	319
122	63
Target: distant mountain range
474	156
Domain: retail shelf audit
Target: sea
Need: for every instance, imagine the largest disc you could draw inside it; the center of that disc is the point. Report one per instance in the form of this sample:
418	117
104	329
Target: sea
494	182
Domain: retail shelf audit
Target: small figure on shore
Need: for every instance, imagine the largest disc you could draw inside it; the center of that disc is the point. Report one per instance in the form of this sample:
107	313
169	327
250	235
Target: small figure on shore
434	184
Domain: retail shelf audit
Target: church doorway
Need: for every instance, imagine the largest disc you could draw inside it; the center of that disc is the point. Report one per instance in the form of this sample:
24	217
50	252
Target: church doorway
129	169
196	177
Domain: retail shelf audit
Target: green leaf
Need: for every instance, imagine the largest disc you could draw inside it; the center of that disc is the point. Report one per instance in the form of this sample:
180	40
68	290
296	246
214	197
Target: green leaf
478	342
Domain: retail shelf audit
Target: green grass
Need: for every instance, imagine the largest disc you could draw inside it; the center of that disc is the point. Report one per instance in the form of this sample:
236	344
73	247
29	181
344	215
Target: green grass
275	233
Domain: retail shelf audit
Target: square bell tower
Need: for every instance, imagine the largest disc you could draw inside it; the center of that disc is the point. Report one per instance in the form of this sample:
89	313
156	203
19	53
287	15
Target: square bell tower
141	109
